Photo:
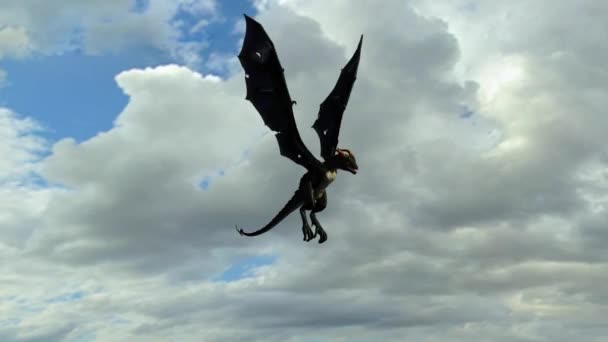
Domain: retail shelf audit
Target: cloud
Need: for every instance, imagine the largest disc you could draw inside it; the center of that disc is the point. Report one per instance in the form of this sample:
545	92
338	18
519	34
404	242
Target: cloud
14	42
438	238
20	146
96	27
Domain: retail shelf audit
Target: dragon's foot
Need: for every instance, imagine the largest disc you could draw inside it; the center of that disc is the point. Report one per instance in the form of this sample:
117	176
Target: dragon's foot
307	231
321	232
318	229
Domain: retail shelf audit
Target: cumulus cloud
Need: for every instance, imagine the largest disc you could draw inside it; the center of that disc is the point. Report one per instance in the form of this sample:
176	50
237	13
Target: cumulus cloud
21	203
97	27
478	213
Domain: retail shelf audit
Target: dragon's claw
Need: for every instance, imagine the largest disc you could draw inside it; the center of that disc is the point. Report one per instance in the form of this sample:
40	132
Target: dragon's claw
318	229
307	231
322	235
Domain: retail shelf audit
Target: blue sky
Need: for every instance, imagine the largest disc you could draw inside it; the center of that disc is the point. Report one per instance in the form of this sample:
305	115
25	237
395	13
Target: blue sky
73	94
244	268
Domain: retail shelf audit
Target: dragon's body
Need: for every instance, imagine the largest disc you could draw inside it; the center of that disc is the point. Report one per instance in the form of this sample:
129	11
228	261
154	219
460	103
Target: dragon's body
267	91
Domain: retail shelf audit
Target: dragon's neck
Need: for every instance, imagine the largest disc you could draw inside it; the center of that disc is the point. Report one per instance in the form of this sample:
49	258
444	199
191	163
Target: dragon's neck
331	165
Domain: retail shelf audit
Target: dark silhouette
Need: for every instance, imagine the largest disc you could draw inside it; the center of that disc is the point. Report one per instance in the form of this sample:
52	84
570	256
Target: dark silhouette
267	91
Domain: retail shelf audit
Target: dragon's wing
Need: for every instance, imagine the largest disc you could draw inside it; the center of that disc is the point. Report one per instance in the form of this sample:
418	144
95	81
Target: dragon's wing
330	113
267	91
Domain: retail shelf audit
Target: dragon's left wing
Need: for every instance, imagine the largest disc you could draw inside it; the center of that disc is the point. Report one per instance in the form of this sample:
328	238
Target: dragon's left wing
330	113
267	91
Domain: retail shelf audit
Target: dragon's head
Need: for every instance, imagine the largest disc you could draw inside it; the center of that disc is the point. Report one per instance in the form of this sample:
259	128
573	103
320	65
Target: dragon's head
345	160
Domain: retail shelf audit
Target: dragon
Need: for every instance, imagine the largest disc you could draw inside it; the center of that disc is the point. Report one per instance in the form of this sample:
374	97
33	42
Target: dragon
267	91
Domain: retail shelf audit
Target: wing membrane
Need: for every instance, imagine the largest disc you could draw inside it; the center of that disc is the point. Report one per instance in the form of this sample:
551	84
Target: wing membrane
331	110
267	91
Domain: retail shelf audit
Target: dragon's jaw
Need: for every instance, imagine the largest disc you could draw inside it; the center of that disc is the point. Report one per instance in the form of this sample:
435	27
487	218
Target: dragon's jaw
347	160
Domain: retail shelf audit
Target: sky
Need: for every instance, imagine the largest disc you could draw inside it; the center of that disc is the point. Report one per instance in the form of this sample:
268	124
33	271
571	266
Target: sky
129	153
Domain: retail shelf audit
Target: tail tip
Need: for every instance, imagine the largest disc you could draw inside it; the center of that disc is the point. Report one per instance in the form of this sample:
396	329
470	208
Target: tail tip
240	231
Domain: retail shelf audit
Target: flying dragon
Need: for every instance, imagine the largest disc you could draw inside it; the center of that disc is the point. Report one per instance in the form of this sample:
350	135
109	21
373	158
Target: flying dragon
267	91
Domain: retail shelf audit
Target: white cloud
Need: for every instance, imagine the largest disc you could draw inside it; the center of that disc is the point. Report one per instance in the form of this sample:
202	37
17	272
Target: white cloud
21	201
432	241
14	42
98	26
19	145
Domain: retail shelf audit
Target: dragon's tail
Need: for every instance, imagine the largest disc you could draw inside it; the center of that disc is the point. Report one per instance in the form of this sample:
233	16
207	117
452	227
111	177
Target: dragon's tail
294	203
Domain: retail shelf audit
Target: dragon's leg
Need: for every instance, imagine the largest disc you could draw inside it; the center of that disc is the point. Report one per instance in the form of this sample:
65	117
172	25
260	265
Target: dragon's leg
308	234
309	203
320	204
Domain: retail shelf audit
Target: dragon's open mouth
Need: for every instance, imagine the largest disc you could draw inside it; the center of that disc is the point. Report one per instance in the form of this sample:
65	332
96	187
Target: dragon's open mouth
352	170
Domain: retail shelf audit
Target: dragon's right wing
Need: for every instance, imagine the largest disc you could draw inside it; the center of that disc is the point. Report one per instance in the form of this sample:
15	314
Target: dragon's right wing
267	91
332	109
